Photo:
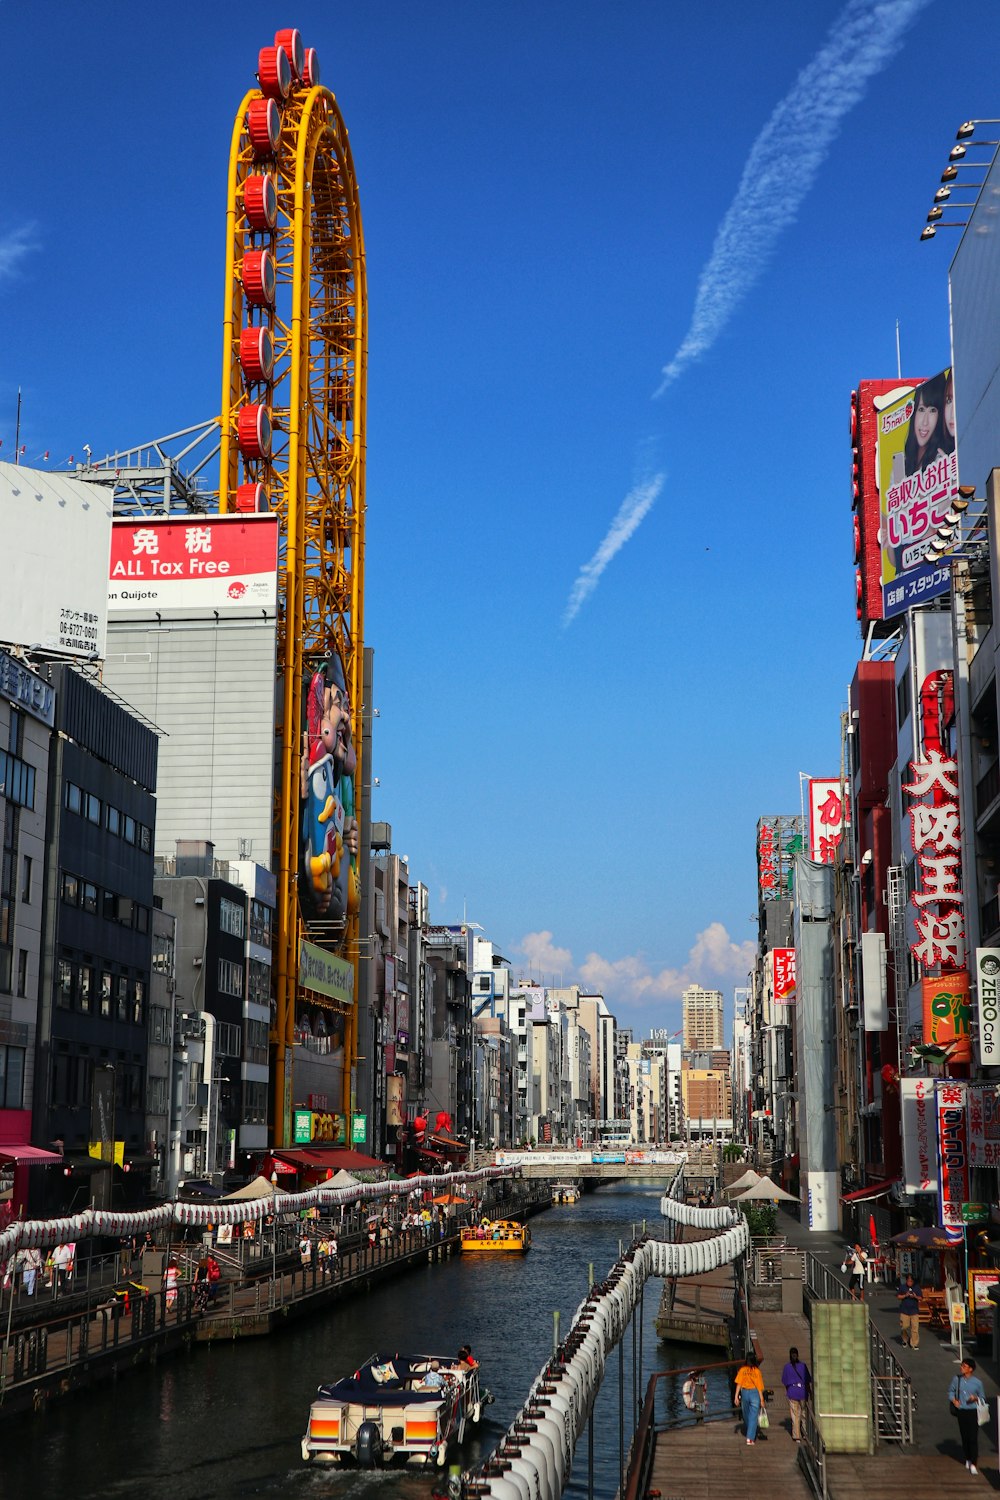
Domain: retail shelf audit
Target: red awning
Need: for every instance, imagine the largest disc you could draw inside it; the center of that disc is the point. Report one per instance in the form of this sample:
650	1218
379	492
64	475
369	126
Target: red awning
17	1151
873	1190
318	1158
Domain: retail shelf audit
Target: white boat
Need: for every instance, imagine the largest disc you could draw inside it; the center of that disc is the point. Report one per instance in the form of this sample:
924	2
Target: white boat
565	1192
384	1413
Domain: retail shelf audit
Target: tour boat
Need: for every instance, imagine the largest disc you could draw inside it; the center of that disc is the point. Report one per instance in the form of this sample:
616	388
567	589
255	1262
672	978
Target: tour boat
497	1237
565	1192
385	1414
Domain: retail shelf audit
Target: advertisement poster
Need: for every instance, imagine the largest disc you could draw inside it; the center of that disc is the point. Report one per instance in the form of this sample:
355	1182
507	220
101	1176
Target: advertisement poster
785	974
917	481
329	884
225	565
919	1128
979	1299
984	1125
953	1155
946	1015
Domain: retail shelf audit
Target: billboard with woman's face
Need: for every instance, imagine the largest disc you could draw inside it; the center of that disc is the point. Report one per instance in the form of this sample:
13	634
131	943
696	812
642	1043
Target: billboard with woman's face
917	481
328	855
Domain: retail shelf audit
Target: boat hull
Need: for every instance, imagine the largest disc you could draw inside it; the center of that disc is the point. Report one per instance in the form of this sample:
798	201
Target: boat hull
504	1238
383	1415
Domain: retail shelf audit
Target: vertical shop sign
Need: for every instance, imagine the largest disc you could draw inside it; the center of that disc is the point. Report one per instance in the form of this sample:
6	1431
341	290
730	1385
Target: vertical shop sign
953	1155
919	1128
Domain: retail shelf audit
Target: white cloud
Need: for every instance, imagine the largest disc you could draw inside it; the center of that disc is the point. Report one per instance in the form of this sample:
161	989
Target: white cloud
14	246
713	959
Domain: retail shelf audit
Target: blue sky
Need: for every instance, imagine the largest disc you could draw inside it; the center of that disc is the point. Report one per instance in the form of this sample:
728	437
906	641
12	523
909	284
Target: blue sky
542	183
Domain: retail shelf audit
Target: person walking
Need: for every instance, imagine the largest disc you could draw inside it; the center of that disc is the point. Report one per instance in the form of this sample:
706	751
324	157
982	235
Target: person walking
858	1268
797	1381
694	1394
749	1400
908	1296
965	1393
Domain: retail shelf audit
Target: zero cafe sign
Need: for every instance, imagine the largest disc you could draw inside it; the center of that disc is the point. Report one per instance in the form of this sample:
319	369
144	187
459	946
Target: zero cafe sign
988	977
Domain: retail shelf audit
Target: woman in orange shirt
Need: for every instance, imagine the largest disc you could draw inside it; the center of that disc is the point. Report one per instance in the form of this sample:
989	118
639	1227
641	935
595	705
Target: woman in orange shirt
750	1395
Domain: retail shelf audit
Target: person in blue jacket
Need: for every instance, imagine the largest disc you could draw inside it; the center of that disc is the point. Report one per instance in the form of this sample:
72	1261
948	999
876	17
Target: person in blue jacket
965	1393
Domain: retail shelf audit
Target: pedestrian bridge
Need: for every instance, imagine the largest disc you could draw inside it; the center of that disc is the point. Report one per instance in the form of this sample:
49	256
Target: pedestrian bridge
605	1165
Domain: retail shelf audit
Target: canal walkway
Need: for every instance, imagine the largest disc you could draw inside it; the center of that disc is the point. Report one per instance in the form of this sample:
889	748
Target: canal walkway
56	1347
710	1460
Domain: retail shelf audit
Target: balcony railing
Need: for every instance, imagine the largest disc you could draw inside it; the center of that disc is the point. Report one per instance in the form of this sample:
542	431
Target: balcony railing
987	788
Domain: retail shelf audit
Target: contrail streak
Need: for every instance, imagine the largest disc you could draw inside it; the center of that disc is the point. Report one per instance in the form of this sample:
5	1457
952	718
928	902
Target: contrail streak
784	161
631	513
14	246
779	172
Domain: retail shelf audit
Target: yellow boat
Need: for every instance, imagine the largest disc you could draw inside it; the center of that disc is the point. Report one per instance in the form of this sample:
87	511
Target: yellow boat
501	1237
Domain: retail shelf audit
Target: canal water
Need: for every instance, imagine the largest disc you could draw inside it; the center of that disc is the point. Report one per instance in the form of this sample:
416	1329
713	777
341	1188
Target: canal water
225	1421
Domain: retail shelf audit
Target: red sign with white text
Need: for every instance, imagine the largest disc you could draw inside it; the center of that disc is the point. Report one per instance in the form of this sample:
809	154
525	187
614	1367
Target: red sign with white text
195	565
785	975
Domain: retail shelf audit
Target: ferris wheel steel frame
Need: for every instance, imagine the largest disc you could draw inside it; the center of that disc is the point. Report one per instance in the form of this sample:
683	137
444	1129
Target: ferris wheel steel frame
312	472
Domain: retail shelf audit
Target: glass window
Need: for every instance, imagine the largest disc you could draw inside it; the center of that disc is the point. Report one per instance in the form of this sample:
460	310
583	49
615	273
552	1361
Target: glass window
105	993
231	918
145	838
74	797
114	820
121	997
128	830
109	906
89	897
26	878
11	1077
142	918
139	1001
84	992
70	889
64	989
94	809
22	973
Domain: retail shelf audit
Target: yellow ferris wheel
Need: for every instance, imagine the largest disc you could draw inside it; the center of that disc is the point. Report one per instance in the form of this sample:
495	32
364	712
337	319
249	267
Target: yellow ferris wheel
293	442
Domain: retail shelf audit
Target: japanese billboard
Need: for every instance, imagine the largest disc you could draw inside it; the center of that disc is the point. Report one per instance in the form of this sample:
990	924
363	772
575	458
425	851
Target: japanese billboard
784	963
988	1006
54	534
192	567
919	1130
984	1125
329	884
828	816
946	1016
953	1155
779	839
940	923
917	481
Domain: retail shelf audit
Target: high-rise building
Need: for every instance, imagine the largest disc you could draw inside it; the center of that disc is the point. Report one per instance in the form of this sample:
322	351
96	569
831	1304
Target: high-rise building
702	1018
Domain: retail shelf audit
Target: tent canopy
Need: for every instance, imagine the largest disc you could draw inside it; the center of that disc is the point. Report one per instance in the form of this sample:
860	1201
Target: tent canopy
342	1179
742	1183
765	1190
259	1188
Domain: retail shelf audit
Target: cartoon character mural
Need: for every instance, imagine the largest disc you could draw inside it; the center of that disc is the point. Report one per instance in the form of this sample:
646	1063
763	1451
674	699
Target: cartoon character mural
328	875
